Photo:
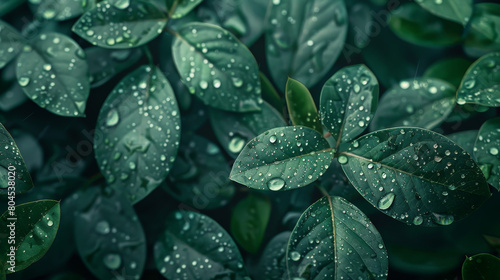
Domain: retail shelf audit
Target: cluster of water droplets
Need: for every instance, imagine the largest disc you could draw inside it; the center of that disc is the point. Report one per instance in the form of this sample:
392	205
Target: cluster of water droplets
487	151
10	156
10	43
42	232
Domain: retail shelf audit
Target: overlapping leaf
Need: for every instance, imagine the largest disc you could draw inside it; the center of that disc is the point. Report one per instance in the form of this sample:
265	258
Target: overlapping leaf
456	10
487	151
301	107
11	43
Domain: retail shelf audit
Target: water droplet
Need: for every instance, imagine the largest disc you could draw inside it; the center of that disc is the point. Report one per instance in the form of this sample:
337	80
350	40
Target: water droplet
443	219
370	165
272	139
295	256
494	151
47	67
112	261
110	41
470	84
112	118
102	227
217	83
418	220
361	123
342	159
438	159
276	2
356	88
237	82
385	202
461	101
404	84
122	4
203	84
50	223
23	81
236	144
409	109
276	184
131	165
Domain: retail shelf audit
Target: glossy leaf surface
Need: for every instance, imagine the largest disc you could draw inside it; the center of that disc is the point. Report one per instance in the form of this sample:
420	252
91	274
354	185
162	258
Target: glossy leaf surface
456	10
481	266
486	151
11	43
301	107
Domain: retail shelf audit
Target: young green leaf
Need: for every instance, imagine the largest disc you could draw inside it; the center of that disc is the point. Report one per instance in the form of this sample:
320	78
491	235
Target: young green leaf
465	139
61	9
269	93
481	266
415	176
35	226
348	102
301	105
249	221
109	237
234	130
11	43
217	67
180	8
450	70
198	241
282	158
483	35
421	102
487	151
104	64
13	170
455	10
333	239
121	24
418	26
138	133
53	72
480	85
273	259
304	39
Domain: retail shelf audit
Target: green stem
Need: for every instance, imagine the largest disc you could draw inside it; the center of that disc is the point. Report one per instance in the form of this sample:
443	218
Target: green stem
148	54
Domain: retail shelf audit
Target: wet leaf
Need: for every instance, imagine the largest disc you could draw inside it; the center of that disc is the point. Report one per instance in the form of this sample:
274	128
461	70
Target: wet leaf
481	83
109	237
481	266
121	24
234	130
249	221
12	166
465	139
269	93
138	133
415	176
282	159
301	105
304	39
61	9
418	26
180	8
54	74
105	64
272	264
218	68
483	35
348	102
35	225
194	245
333	239
456	10
450	70
11	43
420	102
487	151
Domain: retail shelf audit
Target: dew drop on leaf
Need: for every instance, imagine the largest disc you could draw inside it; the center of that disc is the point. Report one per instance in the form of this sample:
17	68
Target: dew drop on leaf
276	184
24	81
272	139
112	261
494	151
418	220
385	202
443	220
102	227
295	256
112	118
342	159
236	144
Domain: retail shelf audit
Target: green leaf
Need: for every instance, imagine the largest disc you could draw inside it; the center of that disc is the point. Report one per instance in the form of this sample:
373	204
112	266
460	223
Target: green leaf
486	151
301	105
7	6
104	64
198	241
481	83
180	8
137	133
273	259
12	166
450	70
455	10
218	68
304	39
493	241
121	24
481	266
269	93
61	9
418	26
200	175
348	102
282	159
234	130
333	239
11	43
465	139
109	237
53	72
415	176
420	102
249	220
35	227
483	34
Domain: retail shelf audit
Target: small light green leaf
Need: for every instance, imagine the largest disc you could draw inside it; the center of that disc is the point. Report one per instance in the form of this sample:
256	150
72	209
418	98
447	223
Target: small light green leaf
272	264
137	133
234	130
200	175
334	240
218	68
269	93
487	151
35	225
415	176
53	73
455	10
104	64
60	9
420	102
249	220
301	107
121	24
197	241
12	166
481	83
109	237
348	102
418	26
483	35
465	139
282	159
11	43
304	39
480	267
180	8
450	70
